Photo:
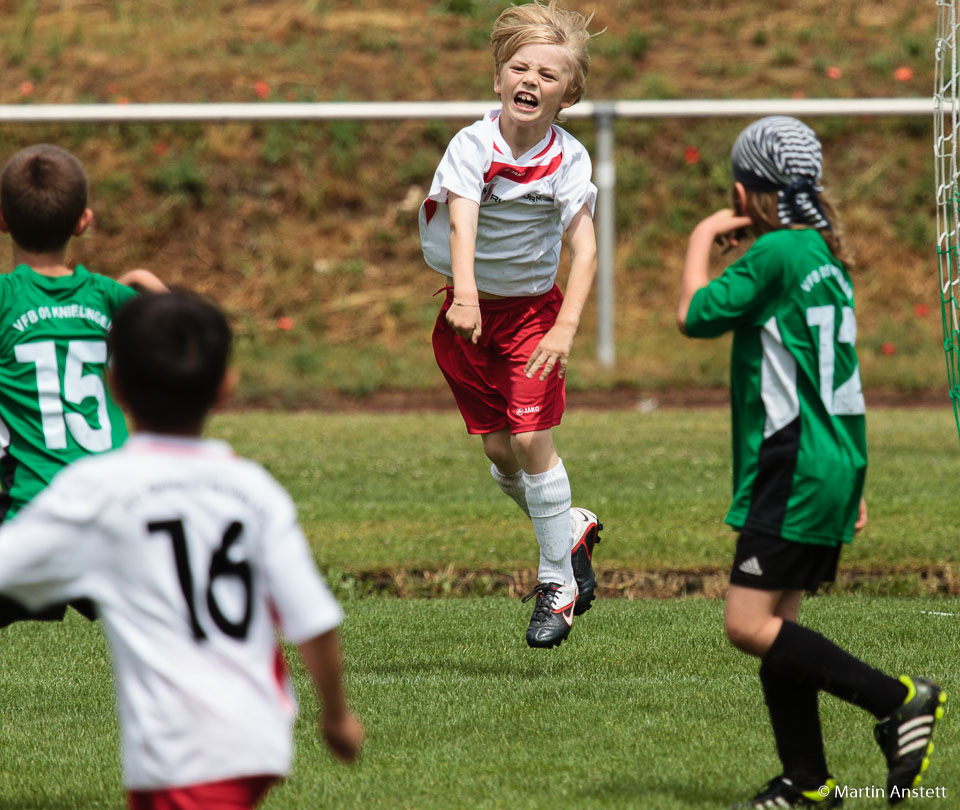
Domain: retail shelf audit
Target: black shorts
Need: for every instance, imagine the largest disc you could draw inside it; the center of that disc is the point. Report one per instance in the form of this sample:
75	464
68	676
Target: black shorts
11	611
770	563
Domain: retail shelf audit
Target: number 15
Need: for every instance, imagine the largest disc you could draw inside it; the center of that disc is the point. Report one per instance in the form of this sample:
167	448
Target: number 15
77	386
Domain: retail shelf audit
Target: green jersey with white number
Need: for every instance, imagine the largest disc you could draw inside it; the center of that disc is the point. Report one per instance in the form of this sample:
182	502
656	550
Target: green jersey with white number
799	431
54	407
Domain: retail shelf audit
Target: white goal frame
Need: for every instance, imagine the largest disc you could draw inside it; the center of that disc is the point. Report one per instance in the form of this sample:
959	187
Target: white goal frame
603	113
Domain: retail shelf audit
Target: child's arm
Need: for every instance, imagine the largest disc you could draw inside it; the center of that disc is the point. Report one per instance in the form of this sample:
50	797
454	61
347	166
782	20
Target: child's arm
695	268
464	314
341	730
40	561
554	349
143	280
861	515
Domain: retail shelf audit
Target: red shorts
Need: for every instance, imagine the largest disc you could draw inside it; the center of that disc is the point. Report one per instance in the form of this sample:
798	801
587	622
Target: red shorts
487	378
243	793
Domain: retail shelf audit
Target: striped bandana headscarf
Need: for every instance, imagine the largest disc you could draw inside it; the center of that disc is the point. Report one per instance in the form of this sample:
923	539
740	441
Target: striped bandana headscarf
782	154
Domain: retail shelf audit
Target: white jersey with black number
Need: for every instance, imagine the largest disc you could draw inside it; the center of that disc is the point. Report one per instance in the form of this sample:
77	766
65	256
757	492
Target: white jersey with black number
525	205
193	557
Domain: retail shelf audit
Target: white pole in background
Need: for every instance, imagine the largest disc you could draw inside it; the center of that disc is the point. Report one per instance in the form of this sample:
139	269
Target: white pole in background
605	178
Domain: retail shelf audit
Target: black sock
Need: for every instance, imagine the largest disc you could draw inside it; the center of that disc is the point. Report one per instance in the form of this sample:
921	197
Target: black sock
795	717
811	659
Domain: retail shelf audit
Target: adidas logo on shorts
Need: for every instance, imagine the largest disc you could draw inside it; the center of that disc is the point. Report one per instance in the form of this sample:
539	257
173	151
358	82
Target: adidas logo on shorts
751	566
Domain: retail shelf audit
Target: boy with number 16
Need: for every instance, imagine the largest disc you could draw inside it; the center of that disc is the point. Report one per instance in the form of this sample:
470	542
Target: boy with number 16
193	559
505	191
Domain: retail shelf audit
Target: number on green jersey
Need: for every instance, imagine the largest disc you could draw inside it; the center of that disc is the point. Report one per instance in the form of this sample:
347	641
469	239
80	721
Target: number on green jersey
847	400
77	386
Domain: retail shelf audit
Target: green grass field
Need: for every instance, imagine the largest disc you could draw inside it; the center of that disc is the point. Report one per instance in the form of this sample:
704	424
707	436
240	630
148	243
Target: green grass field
645	706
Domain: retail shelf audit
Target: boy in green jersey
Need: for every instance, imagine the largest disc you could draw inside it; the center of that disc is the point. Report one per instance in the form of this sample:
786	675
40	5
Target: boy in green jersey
799	457
54	407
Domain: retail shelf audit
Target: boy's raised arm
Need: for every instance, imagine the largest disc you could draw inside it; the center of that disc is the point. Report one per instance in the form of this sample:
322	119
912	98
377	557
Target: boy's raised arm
143	280
696	266
342	731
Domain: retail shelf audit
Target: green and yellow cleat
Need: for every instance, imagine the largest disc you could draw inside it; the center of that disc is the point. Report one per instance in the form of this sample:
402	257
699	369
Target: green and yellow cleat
782	792
905	737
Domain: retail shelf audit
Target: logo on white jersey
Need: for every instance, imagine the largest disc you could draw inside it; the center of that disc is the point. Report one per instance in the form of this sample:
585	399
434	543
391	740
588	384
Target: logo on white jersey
752	567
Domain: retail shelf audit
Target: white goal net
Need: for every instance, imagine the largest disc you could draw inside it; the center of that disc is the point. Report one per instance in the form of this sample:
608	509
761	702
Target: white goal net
945	136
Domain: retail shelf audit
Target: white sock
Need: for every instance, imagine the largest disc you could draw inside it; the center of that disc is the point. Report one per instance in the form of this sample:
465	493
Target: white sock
548	501
512	485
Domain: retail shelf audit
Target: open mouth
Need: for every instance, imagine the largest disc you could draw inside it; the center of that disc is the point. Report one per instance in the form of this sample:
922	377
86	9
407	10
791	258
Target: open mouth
526	101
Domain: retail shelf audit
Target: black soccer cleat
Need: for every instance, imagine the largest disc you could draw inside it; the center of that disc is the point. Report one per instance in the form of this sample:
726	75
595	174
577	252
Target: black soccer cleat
905	736
781	792
552	613
586	533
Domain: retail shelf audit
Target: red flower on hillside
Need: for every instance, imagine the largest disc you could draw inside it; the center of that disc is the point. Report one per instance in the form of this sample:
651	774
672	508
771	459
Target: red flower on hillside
691	155
921	310
26	88
903	73
284	324
833	72
261	88
887	348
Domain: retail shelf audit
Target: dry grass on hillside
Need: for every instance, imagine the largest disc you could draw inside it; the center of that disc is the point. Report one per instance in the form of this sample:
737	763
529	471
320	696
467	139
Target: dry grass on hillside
317	223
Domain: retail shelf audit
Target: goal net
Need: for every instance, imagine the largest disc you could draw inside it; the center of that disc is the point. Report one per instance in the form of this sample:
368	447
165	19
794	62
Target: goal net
948	204
945	136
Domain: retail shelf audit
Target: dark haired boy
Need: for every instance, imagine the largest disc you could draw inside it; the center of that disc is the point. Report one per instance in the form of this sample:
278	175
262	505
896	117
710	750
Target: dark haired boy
53	403
54	407
192	557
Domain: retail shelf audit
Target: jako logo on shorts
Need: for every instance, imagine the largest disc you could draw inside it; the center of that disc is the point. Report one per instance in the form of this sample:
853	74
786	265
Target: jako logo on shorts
531	409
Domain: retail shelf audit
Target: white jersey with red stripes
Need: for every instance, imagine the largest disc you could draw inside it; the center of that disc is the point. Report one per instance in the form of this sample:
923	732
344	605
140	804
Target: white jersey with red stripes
192	557
525	205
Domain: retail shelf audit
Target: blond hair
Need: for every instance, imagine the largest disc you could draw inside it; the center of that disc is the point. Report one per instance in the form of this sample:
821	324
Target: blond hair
534	23
762	208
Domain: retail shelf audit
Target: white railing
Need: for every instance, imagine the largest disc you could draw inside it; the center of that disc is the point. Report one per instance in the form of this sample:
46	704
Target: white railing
604	114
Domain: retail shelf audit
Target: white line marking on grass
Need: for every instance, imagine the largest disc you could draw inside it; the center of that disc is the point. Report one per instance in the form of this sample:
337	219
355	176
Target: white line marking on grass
937	613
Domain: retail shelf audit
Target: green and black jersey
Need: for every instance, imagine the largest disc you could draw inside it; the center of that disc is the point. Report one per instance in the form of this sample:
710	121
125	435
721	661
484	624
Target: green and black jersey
799	430
54	407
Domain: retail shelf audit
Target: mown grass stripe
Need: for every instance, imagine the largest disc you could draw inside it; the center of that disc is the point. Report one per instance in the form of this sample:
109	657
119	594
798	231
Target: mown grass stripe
412	490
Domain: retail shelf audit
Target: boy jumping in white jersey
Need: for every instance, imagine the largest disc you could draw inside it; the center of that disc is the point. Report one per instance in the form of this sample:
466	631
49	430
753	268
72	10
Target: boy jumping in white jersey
505	191
193	558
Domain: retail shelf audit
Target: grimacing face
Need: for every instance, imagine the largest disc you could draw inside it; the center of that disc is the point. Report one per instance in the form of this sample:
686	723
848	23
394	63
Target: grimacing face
532	84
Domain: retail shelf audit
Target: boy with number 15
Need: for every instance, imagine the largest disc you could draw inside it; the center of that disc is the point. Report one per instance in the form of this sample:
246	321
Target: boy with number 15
505	191
54	407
